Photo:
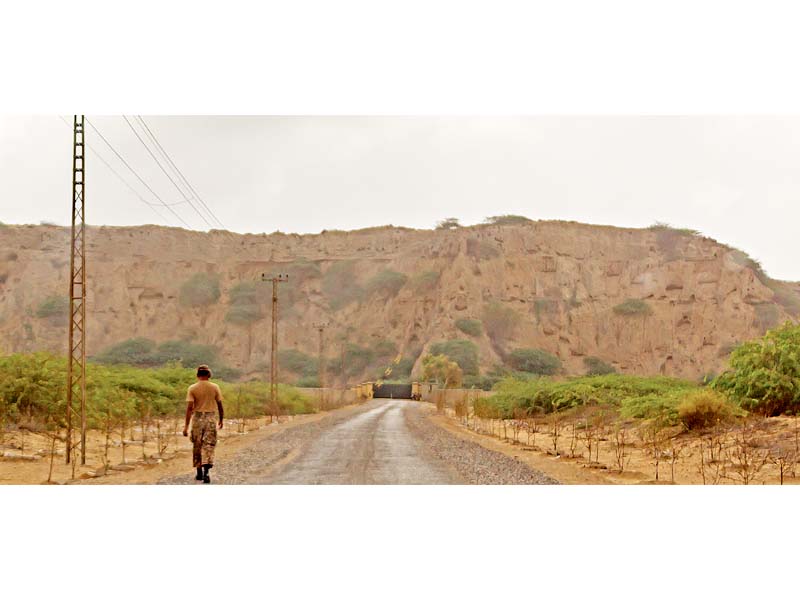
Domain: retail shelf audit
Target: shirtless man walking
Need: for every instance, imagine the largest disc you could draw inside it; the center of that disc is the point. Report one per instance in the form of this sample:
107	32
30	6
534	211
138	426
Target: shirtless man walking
203	401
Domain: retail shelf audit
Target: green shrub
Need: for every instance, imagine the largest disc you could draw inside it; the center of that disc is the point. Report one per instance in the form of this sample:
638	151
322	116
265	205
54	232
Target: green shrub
471	327
744	260
340	284
404	367
652	406
357	359
186	353
308	381
302	270
425	281
638	397
54	308
384	349
500	321
297	362
596	366
246	304
135	351
463	352
704	408
449	223
534	360
200	289
764	374
142	352
507	220
386	283
633	307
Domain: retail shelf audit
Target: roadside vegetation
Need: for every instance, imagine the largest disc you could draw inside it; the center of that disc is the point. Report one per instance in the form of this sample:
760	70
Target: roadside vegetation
718	431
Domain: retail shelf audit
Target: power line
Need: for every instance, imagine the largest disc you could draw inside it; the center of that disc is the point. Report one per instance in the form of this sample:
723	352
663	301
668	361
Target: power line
160	166
178	171
114	150
121	178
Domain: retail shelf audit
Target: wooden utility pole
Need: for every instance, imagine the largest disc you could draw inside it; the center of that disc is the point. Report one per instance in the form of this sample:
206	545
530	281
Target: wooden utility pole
320	327
273	373
76	365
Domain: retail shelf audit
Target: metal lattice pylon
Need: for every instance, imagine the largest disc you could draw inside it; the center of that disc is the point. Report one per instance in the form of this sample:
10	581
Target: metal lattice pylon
76	366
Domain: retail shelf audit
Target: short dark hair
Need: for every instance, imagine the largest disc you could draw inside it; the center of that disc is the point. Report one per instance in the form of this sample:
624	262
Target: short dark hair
203	371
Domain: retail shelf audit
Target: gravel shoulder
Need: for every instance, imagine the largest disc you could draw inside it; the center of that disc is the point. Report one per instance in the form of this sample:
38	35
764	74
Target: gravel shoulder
475	463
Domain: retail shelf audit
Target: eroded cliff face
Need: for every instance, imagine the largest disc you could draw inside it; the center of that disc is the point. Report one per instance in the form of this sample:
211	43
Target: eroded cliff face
563	280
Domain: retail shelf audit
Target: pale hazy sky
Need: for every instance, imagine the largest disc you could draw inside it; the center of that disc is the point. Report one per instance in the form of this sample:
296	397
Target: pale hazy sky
736	179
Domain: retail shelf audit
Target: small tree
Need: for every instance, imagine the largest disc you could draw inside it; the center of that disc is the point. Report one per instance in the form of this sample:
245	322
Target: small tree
534	360
442	371
448	223
201	289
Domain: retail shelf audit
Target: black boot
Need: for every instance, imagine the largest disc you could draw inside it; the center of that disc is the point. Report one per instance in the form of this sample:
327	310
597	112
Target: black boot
199	476
206	478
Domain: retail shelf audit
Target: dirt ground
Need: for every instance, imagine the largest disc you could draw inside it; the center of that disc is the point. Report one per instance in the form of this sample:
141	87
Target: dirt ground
756	457
26	456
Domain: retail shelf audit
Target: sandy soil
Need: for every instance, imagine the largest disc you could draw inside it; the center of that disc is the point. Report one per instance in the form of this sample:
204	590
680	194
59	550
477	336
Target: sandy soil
26	456
778	435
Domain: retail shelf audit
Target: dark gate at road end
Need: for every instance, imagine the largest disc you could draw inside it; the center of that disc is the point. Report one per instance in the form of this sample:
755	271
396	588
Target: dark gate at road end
393	390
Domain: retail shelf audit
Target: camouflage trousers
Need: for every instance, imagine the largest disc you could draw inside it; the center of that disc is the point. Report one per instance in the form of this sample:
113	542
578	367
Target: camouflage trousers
204	438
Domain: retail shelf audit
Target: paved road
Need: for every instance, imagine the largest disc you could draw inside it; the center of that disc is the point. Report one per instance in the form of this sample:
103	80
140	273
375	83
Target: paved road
375	446
379	442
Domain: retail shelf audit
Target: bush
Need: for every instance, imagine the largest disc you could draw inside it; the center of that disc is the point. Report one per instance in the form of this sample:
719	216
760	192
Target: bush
463	352
402	370
386	283
449	223
595	366
245	304
357	359
507	220
534	360
186	353
764	374
54	308
663	407
425	281
500	321
308	381
385	349
297	362
471	327
637	397
200	289
142	352
704	408
748	262
339	284
633	307
135	351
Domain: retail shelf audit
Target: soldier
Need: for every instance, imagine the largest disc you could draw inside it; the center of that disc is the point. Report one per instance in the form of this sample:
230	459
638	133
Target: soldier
203	400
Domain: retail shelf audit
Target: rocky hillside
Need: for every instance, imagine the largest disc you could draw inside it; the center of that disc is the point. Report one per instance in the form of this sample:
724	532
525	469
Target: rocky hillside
644	301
